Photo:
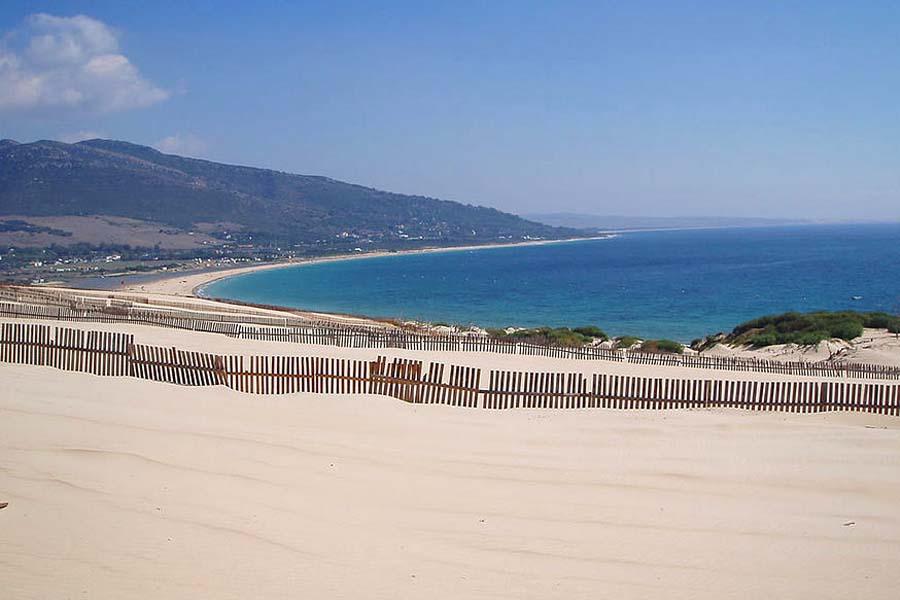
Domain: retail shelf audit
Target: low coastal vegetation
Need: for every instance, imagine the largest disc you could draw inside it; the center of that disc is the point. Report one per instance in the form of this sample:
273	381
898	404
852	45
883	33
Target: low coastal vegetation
626	341
804	329
556	336
584	336
662	347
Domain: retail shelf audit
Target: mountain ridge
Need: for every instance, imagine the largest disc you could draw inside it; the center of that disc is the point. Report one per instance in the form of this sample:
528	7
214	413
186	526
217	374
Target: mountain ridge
116	178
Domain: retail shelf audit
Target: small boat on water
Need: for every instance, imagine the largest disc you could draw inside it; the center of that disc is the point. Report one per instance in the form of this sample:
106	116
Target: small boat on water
856	297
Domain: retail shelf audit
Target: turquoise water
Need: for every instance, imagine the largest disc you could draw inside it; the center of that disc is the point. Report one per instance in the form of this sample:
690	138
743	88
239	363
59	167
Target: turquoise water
675	284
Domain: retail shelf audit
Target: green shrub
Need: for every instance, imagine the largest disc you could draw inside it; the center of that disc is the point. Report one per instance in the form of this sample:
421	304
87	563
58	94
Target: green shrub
846	329
626	341
670	346
662	346
877	320
559	336
564	336
809	338
883	321
592	332
761	340
810	328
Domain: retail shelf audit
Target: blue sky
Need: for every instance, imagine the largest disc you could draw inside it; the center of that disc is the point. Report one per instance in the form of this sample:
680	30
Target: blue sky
639	108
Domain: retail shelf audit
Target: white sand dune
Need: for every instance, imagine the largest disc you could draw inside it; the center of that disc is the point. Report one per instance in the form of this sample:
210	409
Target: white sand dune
874	346
122	488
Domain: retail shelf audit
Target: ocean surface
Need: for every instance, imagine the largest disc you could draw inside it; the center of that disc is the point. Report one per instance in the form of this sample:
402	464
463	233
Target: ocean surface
673	284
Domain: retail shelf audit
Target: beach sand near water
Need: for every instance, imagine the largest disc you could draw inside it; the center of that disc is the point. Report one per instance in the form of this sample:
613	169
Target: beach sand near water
124	488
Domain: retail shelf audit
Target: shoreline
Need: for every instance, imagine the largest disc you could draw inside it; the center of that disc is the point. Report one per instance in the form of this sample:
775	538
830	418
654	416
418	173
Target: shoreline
873	347
205	278
191	283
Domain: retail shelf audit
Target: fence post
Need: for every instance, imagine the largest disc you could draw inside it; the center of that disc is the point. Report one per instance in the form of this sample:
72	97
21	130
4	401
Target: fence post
221	375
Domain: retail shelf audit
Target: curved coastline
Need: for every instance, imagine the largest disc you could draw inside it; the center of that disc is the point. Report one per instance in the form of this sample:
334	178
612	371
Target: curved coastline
652	286
193	283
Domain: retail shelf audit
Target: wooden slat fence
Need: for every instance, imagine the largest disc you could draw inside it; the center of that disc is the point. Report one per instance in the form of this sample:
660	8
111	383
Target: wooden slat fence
291	374
172	365
123	303
97	352
115	354
573	390
352	337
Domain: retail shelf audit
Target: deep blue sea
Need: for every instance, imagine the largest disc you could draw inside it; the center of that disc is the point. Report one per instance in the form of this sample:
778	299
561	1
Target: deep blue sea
675	284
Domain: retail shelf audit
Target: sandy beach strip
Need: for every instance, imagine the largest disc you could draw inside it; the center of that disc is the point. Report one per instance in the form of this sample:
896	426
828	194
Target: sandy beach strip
120	488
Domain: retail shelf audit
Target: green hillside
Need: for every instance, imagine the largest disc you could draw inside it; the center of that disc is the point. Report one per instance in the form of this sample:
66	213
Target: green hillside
105	177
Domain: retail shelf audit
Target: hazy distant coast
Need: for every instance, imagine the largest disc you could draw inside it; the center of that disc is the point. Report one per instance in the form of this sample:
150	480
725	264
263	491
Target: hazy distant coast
630	223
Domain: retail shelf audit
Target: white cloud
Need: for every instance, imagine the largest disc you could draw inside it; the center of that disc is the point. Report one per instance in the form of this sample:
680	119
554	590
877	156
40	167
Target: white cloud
77	136
71	63
185	144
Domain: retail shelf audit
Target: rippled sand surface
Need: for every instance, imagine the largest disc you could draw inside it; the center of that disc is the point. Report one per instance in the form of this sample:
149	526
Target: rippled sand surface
122	488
